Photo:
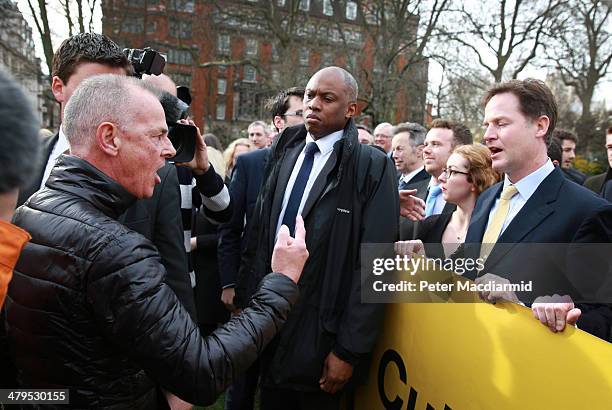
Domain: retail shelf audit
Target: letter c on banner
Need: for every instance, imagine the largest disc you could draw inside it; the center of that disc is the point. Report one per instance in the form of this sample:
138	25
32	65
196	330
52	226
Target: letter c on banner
390	356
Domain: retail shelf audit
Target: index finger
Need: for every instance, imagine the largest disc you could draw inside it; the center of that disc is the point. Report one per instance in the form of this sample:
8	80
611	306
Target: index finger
283	235
407	192
300	231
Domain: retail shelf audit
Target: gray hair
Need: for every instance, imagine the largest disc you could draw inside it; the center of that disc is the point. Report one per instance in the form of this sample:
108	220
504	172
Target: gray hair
417	132
102	98
258	123
19	141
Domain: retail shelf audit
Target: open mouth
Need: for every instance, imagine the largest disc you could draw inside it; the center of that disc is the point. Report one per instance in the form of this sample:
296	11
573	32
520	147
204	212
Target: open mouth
494	151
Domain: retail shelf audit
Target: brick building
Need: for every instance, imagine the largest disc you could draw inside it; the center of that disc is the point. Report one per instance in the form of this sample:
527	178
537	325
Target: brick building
235	54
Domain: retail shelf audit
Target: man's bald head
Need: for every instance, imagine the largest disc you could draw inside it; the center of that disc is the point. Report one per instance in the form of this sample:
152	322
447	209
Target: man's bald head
330	101
350	85
162	81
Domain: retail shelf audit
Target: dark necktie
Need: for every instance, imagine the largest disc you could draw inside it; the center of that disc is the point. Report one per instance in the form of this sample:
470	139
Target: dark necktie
297	192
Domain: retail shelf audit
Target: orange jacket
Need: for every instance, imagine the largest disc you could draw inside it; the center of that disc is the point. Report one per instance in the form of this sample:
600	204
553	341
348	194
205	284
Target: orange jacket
12	241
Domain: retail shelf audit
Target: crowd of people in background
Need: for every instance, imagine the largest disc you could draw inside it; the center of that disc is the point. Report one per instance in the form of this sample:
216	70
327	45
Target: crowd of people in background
147	282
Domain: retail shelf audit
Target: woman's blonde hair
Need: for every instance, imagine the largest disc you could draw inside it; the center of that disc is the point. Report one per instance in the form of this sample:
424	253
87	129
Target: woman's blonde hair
230	151
481	172
215	157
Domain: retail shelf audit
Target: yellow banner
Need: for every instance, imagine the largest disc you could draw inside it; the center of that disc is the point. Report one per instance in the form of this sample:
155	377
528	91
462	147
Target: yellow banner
480	356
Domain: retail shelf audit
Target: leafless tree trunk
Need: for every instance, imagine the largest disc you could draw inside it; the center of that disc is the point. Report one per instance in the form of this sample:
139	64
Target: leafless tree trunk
42	26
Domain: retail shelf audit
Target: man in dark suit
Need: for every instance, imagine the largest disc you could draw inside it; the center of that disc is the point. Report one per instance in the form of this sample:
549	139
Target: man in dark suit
531	205
158	218
286	110
597	182
568	141
439	143
407	153
347	194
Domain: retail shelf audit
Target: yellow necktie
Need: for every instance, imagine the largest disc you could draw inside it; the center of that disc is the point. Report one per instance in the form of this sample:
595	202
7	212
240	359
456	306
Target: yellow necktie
497	221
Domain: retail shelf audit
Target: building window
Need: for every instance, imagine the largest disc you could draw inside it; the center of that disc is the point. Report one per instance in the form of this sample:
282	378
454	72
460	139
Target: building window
304	5
182	5
328	9
179	57
135	3
223	44
151	27
221	86
275	54
179	28
275	76
327	59
304	56
250	74
351	10
251	47
133	24
181	78
220	111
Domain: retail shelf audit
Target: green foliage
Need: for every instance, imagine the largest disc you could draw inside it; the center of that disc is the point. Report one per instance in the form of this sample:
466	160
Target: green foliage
588	167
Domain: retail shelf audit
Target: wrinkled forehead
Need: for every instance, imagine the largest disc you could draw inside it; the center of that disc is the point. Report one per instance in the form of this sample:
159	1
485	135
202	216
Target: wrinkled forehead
144	106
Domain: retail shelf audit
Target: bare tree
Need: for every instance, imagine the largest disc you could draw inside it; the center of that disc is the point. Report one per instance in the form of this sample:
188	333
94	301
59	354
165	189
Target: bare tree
504	35
394	65
41	11
462	86
582	56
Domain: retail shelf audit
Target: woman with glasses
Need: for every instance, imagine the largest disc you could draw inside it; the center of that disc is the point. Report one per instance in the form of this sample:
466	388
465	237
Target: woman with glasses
467	174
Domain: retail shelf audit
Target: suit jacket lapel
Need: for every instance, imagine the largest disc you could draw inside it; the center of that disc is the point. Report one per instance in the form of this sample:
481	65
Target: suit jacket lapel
478	222
284	174
319	184
537	208
47	148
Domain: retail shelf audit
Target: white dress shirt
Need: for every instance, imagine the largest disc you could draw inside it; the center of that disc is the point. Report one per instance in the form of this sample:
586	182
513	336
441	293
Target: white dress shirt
526	188
326	147
406	178
440	201
60	147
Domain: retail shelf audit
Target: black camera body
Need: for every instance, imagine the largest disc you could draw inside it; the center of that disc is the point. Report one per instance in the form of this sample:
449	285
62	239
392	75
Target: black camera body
145	61
182	136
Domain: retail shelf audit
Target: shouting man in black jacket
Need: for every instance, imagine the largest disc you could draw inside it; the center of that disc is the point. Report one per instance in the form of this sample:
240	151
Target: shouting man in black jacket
88	308
347	195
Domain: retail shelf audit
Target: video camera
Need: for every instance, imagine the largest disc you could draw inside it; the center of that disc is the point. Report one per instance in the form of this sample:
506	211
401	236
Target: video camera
182	136
145	61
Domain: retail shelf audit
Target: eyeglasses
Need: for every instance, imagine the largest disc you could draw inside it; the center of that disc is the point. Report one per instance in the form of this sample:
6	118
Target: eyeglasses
448	173
297	113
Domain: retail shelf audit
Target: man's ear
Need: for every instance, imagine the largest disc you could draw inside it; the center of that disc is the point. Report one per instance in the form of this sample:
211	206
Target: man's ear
278	122
108	138
542	123
351	110
57	87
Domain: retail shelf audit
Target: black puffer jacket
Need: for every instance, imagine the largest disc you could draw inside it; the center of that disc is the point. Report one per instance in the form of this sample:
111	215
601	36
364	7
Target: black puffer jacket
88	308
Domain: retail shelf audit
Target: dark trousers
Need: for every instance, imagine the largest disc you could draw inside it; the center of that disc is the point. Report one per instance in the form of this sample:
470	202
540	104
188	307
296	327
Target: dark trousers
241	394
282	399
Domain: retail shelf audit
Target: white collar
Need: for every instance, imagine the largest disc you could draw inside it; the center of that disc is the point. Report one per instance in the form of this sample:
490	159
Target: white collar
325	144
62	141
528	185
407	177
